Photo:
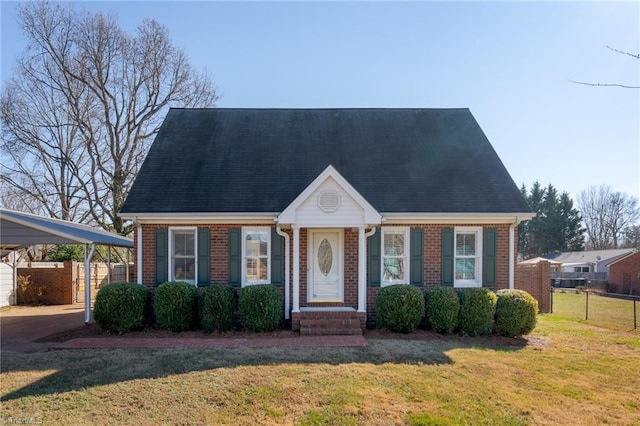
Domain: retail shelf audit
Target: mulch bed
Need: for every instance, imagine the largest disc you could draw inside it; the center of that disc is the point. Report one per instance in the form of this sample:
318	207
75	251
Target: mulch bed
93	330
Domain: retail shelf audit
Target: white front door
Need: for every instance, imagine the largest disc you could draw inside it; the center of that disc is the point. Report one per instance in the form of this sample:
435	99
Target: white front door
325	265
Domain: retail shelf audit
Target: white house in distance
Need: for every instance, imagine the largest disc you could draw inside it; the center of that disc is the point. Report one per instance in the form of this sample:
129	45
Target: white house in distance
594	261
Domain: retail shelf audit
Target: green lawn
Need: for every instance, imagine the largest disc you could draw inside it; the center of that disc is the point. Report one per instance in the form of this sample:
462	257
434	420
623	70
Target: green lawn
603	311
567	373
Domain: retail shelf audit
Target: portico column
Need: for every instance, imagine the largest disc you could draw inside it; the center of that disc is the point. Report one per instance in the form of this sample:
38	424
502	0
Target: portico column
296	268
362	270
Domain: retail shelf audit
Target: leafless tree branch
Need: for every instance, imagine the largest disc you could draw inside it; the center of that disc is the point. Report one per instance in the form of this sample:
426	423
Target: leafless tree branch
84	106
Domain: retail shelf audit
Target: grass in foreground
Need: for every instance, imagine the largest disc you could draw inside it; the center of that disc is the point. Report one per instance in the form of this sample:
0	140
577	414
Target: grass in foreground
603	311
569	373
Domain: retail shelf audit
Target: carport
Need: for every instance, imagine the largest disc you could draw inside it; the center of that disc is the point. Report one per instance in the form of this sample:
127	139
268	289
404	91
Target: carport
18	229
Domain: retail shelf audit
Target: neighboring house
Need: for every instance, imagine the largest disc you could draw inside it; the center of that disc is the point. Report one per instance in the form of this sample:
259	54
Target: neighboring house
594	262
328	204
624	274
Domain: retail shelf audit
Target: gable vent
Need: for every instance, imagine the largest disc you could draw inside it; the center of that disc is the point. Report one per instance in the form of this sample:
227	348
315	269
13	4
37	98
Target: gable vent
329	201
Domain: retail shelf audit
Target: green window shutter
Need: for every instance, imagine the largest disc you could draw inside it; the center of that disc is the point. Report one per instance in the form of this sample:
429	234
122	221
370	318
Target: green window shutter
447	256
489	256
162	256
416	255
373	261
277	258
203	257
235	252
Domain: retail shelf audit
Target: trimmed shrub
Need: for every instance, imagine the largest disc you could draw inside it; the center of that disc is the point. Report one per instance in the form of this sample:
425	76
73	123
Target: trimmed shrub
218	303
442	305
260	307
175	305
400	307
121	307
516	313
477	308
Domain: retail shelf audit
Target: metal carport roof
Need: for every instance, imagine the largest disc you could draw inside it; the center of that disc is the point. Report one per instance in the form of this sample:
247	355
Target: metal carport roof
24	229
18	229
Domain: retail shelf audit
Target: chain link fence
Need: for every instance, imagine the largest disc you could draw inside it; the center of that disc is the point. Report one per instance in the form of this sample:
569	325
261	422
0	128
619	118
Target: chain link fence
611	310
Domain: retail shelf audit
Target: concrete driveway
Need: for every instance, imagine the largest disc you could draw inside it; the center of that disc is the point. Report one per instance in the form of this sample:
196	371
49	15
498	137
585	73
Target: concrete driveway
20	326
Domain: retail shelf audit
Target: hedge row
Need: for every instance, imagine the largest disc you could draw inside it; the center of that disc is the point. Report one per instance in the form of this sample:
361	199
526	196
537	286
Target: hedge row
470	311
179	306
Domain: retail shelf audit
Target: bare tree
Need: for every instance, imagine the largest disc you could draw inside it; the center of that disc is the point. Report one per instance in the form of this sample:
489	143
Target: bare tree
84	106
624	86
632	237
606	215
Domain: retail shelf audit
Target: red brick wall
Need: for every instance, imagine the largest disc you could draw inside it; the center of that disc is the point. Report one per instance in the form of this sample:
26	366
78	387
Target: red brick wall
623	275
432	261
431	267
536	280
218	246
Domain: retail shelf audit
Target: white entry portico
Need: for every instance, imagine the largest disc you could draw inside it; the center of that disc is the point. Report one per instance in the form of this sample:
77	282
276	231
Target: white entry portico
327	207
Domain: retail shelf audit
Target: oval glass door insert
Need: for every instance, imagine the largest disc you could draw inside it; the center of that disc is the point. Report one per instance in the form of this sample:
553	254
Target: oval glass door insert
325	257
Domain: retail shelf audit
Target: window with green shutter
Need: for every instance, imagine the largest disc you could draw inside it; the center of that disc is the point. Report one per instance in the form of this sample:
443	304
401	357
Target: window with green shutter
203	277
161	256
417	256
446	256
234	253
489	258
277	258
373	261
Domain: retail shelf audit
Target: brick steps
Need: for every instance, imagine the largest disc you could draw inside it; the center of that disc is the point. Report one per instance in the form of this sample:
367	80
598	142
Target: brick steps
331	323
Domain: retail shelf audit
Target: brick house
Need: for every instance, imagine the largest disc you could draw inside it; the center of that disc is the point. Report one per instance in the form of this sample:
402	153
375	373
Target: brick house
329	205
624	274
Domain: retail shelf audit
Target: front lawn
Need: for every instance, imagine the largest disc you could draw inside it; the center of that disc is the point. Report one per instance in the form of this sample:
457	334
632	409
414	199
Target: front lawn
566	373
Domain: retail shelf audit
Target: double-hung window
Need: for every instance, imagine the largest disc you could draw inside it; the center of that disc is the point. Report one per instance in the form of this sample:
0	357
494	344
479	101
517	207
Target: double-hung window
256	256
395	255
182	246
468	257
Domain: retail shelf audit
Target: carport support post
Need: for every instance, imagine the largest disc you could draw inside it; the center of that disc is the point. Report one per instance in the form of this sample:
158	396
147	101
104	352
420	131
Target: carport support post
88	255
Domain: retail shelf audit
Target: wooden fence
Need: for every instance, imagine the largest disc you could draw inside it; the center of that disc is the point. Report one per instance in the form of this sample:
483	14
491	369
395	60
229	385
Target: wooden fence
58	283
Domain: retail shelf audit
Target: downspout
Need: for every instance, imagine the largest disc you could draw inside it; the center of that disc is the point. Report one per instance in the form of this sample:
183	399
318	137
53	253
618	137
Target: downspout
87	282
138	250
287	266
363	294
512	253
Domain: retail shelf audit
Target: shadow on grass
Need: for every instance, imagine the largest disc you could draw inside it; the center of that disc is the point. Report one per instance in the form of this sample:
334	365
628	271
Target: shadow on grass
80	369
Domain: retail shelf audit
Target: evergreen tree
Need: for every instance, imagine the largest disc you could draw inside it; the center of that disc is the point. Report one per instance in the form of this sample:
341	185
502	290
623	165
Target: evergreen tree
556	227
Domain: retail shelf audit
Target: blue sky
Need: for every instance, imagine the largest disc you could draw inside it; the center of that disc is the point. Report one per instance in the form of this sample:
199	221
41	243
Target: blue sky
509	62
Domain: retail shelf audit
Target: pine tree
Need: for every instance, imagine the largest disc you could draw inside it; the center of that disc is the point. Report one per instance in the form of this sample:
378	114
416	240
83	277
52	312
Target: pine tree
556	227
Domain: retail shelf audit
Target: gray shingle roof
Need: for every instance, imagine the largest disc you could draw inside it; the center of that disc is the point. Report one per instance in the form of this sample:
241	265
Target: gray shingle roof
259	160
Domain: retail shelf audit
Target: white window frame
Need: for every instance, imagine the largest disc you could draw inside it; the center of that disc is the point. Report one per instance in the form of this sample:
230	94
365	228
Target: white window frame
245	232
172	230
407	255
477	282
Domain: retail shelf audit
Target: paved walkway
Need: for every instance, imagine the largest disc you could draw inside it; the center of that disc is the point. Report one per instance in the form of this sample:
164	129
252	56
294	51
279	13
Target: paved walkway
21	326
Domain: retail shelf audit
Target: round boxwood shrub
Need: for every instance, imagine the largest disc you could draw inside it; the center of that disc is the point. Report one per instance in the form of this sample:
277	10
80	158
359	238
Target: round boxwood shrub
121	307
442	305
400	307
477	308
175	305
218	303
516	312
260	307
